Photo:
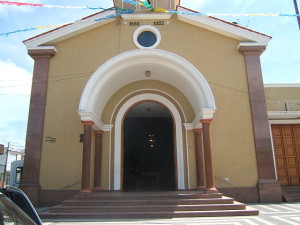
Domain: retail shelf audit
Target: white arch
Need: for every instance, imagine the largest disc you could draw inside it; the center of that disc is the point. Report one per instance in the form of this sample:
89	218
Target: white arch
130	66
118	135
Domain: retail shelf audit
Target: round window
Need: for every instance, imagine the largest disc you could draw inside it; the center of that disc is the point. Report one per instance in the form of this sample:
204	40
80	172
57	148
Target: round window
146	37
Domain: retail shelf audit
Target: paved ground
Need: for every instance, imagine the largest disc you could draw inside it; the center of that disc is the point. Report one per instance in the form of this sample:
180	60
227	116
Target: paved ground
284	213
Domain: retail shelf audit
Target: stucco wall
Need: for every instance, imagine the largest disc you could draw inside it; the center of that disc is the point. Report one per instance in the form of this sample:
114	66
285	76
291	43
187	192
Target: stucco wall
283	97
214	55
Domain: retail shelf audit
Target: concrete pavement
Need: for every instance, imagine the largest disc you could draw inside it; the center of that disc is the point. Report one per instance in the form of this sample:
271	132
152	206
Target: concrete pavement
283	213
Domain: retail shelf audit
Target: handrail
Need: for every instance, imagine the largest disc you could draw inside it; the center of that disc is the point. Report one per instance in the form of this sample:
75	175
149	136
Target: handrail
225	180
70	185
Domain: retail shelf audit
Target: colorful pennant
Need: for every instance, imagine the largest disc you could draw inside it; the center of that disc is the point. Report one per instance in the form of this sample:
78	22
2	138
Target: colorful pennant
120	11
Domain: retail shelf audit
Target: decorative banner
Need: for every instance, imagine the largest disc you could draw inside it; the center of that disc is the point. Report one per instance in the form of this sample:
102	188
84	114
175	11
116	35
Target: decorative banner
147	4
120	11
48	6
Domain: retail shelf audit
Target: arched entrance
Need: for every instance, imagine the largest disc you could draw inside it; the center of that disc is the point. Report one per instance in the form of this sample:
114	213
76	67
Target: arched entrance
148	148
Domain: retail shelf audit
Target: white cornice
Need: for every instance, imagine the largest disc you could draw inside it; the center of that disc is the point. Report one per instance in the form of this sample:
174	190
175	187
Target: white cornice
282	85
227	29
283	115
99	125
43	48
69	30
140	16
245	35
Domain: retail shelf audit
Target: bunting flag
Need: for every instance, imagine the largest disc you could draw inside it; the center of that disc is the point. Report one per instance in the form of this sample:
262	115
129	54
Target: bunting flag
48	6
146	4
120	11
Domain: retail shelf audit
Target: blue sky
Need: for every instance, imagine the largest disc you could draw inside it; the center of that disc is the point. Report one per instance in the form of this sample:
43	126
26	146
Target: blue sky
280	63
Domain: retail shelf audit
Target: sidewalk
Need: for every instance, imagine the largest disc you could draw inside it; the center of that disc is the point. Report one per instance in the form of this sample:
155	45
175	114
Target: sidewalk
283	213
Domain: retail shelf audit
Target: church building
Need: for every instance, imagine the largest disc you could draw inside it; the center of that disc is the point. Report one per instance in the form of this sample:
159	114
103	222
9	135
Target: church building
152	97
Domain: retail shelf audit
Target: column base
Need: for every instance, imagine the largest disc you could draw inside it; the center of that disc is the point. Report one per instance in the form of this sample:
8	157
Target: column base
85	191
97	189
211	190
269	191
32	190
201	188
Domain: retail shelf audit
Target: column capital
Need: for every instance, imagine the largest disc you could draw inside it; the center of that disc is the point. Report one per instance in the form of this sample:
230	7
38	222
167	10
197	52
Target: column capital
198	130
206	120
98	131
252	50
87	123
43	53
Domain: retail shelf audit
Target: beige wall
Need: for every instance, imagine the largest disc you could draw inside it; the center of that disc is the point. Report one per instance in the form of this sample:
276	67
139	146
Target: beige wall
283	97
215	56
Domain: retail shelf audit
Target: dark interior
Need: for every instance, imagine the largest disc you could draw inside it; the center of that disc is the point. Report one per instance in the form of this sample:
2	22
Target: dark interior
148	154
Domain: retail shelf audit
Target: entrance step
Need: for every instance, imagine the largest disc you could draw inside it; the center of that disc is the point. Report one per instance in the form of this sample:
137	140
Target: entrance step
291	193
148	205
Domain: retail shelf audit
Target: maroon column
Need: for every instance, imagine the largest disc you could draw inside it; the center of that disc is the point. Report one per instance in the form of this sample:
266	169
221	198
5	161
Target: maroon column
86	156
98	159
199	159
34	138
269	187
209	173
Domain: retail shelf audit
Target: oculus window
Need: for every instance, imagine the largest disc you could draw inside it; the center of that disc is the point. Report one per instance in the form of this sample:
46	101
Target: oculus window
146	37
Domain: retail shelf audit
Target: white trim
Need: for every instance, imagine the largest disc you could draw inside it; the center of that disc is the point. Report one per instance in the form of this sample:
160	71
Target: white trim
90	116
273	152
142	16
282	85
192	83
69	30
148	90
283	115
279	122
146	28
227	29
43	48
118	136
209	23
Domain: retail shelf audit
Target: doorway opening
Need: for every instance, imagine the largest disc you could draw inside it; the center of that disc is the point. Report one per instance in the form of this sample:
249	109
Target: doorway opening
148	149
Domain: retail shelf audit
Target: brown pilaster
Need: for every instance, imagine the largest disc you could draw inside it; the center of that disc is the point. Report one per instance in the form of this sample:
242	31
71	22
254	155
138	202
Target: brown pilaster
86	156
269	188
98	159
209	173
34	138
199	159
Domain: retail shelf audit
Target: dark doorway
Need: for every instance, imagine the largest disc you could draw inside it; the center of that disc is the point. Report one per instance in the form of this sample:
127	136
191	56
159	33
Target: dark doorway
148	149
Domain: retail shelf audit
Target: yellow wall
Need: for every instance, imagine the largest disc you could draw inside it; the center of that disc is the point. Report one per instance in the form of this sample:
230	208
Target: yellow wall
214	55
283	98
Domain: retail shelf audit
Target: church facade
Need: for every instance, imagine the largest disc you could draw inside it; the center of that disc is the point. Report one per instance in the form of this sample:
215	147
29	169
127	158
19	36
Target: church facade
152	101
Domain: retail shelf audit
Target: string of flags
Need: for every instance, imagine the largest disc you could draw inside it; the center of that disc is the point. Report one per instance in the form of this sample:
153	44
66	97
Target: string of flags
120	11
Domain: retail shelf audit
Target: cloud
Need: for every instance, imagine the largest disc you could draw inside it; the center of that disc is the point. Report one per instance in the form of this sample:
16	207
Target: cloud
14	79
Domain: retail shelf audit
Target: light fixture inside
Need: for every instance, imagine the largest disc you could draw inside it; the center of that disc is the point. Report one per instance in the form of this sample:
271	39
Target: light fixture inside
147	73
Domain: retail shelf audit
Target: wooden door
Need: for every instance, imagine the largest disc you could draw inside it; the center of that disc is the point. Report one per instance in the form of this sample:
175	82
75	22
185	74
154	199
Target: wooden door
286	140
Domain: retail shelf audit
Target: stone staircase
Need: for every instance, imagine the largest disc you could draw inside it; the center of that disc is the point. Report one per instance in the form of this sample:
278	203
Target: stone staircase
147	205
291	193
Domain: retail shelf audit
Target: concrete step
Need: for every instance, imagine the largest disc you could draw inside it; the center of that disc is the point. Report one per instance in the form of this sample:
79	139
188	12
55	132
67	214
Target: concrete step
154	201
147	208
145	196
154	214
291	193
148	205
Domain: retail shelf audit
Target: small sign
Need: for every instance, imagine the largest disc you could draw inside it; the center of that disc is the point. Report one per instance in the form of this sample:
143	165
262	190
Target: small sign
50	140
134	23
159	23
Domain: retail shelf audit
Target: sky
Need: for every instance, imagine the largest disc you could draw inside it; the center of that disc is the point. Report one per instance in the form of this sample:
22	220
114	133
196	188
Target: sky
280	62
